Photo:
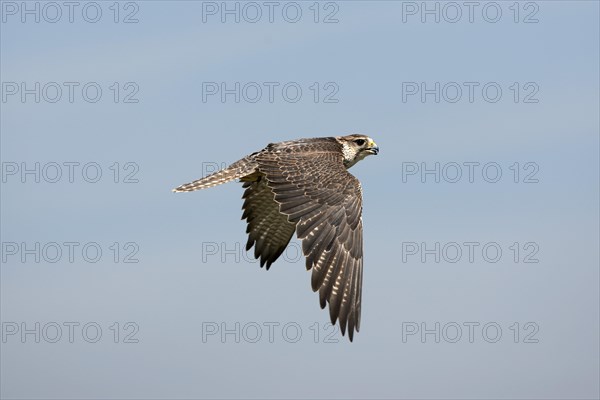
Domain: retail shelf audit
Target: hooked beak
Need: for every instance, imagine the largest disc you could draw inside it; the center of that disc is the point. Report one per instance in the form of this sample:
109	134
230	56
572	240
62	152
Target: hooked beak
373	150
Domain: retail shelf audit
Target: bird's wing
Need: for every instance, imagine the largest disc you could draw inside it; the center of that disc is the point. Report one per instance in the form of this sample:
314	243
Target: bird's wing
237	170
315	191
268	229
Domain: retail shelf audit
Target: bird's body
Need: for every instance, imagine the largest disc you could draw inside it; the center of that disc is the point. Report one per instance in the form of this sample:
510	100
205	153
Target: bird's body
303	186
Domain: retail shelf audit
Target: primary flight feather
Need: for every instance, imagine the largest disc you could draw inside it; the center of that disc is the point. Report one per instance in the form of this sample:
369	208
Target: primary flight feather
303	186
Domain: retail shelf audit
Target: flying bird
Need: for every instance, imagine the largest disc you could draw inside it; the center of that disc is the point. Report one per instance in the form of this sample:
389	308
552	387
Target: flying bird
303	186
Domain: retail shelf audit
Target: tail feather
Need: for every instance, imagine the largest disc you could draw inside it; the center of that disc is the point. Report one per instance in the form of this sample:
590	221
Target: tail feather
237	170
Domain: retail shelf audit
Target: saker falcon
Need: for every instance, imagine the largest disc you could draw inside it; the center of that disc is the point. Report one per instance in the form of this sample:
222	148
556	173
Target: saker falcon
303	186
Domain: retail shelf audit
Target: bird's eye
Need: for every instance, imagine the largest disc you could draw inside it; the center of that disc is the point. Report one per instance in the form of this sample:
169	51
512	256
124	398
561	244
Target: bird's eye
359	142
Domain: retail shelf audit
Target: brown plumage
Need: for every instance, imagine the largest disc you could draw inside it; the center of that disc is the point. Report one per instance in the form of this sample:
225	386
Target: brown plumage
303	186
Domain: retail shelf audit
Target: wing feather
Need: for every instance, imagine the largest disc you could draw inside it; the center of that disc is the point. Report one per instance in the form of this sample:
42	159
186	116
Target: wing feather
324	201
239	169
269	231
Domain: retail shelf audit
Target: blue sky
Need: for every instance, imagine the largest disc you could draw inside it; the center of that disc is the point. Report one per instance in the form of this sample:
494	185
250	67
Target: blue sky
189	276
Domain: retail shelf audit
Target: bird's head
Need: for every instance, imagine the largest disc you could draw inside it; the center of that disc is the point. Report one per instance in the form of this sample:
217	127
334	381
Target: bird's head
356	147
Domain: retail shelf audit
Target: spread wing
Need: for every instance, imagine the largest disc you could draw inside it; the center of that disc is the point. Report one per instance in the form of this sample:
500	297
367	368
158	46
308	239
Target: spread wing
239	169
316	192
268	229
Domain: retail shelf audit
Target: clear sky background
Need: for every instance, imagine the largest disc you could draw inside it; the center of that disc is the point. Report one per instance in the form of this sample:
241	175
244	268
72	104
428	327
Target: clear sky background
192	278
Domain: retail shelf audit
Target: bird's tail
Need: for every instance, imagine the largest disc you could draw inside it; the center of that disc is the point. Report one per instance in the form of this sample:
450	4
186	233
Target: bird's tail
237	170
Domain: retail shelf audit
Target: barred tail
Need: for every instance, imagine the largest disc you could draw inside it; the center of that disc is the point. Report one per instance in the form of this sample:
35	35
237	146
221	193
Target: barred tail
237	170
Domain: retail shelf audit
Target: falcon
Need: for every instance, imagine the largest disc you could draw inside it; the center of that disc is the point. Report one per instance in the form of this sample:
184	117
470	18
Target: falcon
303	186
